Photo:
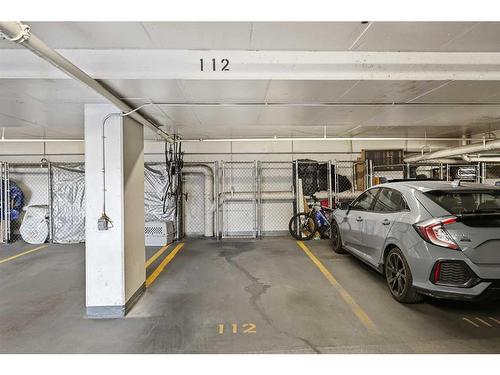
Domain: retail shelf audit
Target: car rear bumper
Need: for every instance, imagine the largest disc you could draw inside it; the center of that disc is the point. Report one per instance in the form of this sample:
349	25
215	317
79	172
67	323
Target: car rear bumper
490	292
424	256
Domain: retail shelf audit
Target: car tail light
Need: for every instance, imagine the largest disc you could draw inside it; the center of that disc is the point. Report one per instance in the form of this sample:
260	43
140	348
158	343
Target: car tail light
434	231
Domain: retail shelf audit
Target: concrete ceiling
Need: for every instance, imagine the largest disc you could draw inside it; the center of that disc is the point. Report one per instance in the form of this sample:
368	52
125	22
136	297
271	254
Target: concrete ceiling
41	107
286	36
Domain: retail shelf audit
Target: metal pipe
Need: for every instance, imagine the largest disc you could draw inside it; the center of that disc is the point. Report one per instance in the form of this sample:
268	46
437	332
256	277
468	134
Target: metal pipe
476	147
478	159
216	199
325	104
21	34
268	139
3	216
50	190
337	139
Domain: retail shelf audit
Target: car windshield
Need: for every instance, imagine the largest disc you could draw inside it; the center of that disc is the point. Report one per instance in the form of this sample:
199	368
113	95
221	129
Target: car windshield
467	202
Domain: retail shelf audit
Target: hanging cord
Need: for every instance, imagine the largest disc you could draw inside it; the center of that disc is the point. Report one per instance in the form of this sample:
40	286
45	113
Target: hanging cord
173	168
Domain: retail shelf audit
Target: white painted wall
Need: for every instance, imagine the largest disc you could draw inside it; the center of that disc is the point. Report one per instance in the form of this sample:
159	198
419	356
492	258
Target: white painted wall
211	151
133	197
114	258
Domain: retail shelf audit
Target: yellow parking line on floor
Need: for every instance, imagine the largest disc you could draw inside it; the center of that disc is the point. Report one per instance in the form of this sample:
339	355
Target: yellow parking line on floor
150	280
356	309
495	320
156	255
471	322
21	254
483	321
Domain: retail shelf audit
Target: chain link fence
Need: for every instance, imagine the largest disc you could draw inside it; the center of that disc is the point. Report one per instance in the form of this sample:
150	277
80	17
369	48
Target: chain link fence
239	199
344	181
422	171
491	174
198	202
46	202
4	203
277	197
384	173
29	193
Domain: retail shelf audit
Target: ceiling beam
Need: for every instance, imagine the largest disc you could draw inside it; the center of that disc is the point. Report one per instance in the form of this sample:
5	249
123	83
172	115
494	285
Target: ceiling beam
261	65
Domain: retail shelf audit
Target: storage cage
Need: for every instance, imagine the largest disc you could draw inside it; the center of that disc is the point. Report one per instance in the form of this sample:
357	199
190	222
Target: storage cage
228	199
239	199
490	174
26	203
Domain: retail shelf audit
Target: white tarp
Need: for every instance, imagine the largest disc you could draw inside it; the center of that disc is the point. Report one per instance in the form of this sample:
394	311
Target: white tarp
68	203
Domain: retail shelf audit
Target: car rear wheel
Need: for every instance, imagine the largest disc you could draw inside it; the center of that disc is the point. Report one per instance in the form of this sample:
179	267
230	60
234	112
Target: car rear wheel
399	278
336	239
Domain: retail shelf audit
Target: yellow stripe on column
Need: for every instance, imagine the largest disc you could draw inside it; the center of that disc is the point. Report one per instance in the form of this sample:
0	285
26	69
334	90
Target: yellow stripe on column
21	254
150	280
356	309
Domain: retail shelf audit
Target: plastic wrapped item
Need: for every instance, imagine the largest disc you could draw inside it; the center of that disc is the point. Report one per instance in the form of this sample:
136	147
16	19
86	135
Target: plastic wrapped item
156	181
16	197
68	203
35	226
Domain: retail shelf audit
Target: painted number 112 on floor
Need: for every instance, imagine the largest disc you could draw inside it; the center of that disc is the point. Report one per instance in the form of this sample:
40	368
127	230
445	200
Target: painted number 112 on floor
235	328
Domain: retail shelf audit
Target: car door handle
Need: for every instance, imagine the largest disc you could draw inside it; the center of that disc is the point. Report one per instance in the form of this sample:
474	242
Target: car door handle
359	218
386	222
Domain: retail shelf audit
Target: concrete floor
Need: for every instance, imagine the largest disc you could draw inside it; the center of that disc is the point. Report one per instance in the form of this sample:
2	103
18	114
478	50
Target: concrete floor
270	283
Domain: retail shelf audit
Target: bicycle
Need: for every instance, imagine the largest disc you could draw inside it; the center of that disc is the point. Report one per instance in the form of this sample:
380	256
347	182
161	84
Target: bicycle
304	225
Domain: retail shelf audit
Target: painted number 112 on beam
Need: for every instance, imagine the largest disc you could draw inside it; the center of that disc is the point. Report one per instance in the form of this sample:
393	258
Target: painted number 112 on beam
214	66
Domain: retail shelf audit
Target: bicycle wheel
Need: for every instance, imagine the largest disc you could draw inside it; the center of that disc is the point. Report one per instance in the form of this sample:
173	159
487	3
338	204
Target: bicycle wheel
302	226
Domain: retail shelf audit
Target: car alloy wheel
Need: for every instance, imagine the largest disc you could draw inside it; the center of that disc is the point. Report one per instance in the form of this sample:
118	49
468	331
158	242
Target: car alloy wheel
396	274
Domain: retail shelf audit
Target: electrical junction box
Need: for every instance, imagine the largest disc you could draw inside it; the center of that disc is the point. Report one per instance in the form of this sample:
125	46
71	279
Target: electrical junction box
159	233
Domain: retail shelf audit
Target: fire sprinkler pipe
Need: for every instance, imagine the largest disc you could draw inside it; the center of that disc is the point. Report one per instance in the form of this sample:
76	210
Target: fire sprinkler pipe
463	150
21	34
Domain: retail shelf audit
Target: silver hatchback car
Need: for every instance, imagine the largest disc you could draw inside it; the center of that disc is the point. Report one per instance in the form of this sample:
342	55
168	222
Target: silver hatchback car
434	238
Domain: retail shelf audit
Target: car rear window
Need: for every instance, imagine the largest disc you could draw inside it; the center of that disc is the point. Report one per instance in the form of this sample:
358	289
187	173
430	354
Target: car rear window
464	202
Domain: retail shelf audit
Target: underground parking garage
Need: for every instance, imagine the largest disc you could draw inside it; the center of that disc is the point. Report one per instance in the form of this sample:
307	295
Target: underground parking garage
329	187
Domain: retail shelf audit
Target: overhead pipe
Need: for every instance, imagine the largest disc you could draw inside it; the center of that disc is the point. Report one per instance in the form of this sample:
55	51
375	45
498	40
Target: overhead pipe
273	139
21	34
208	174
463	150
471	159
340	139
440	161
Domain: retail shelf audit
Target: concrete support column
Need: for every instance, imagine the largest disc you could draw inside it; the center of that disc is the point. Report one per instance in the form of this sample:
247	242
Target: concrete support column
114	258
